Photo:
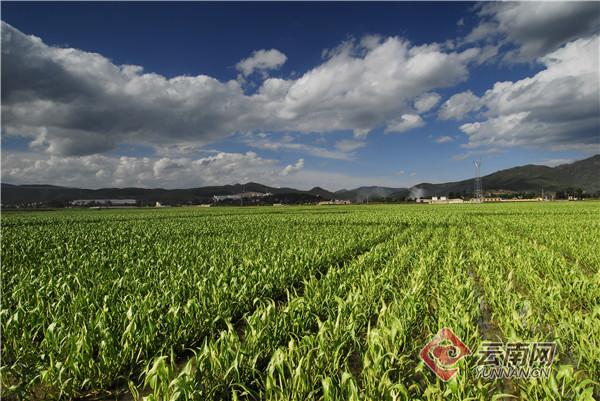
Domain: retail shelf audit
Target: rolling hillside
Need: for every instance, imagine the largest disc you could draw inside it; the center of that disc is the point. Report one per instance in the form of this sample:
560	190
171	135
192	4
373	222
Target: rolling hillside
584	174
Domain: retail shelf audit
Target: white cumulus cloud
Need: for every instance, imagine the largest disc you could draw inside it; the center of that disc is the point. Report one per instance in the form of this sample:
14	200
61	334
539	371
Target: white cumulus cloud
405	123
557	108
100	171
444	139
293	168
426	102
261	61
459	105
71	102
96	171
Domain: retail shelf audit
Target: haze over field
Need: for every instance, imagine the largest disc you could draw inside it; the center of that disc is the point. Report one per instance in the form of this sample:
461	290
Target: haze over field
299	95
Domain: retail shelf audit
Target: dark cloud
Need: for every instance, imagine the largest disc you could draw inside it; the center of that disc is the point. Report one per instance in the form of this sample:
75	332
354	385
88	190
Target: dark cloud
71	102
83	104
536	28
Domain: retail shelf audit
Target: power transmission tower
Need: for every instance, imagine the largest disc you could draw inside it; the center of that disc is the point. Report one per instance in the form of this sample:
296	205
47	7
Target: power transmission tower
478	186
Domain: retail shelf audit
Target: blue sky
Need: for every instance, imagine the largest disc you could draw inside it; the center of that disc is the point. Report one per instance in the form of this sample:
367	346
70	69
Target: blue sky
295	94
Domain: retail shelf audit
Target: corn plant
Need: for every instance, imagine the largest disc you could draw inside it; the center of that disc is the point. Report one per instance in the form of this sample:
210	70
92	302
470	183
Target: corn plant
295	303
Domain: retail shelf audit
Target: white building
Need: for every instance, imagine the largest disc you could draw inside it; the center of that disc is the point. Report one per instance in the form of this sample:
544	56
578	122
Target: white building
243	195
104	202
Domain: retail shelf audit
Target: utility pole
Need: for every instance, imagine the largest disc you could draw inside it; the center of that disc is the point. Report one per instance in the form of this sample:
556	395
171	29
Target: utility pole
478	186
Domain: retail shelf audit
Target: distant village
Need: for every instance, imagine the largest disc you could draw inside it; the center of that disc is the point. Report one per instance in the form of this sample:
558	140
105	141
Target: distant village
270	199
240	199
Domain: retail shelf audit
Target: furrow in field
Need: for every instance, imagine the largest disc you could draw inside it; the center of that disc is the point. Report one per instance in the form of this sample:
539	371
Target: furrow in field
487	325
294	303
286	308
526	312
319	365
311	313
583	257
156	323
317	287
549	277
451	302
389	349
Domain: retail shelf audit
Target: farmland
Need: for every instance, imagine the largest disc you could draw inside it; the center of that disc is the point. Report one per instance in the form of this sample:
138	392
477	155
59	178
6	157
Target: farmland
298	303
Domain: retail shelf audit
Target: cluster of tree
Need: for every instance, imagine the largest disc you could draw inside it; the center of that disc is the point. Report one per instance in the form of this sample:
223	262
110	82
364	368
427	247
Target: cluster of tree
576	193
460	195
287	198
562	194
518	195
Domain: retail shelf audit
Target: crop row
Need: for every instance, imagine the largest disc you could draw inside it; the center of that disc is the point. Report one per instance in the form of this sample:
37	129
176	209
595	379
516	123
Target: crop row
295	303
285	349
95	302
525	289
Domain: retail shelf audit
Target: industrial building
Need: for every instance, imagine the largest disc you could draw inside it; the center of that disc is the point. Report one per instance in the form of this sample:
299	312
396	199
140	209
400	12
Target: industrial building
439	200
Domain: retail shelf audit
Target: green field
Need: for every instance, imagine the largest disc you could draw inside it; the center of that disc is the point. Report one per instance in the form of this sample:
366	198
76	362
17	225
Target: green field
295	303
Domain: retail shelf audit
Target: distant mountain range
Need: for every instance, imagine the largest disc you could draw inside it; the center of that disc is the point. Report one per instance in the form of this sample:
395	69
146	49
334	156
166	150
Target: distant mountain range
584	174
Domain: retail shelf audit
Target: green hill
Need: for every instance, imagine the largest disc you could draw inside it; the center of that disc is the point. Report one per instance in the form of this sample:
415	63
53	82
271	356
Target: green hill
584	174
